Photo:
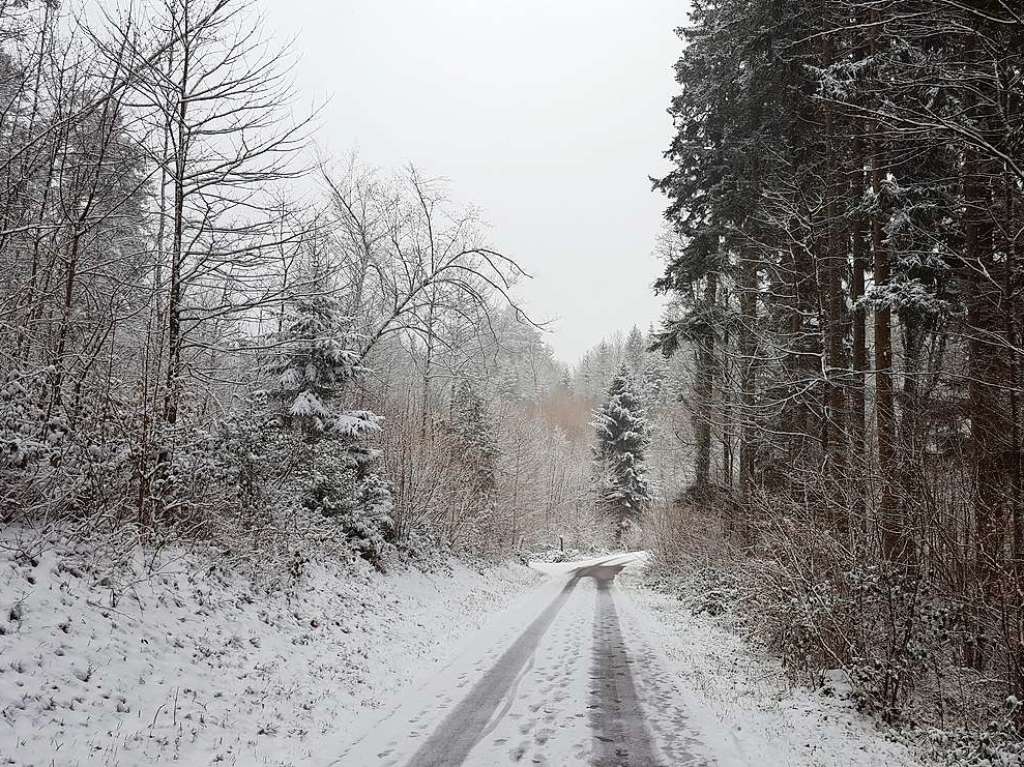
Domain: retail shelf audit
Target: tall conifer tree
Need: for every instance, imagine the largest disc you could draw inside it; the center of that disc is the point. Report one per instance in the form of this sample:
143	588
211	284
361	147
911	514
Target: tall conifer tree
622	439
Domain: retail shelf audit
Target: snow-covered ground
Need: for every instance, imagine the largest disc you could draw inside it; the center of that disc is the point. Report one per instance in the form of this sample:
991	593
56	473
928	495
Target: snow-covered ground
185	663
705	698
544	717
742	704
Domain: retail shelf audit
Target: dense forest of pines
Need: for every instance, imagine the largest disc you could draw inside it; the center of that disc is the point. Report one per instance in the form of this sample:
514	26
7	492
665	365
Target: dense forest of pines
846	266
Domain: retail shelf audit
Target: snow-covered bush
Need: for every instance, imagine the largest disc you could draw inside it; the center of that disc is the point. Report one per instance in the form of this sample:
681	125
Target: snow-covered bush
250	455
28	439
186	489
998	745
27	434
336	484
55	466
716	592
369	523
822	606
422	547
892	640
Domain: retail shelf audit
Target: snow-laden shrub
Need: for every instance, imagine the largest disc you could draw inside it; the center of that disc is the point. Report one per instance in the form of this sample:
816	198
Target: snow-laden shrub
702	589
27	432
185	488
824	607
998	745
28	438
336	484
714	592
251	456
422	547
894	639
55	465
369	521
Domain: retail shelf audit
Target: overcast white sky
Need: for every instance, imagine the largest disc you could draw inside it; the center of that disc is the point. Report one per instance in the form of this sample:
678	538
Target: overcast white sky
546	114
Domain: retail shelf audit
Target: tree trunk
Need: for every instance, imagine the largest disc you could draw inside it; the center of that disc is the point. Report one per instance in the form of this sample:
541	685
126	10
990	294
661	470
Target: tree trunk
174	338
858	407
988	376
748	393
890	521
704	390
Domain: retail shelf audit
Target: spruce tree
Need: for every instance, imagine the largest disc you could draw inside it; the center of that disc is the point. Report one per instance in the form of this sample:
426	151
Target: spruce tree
315	362
312	366
622	439
634	353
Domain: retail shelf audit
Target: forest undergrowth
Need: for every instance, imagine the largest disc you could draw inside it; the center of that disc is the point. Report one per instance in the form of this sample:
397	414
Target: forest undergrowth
889	642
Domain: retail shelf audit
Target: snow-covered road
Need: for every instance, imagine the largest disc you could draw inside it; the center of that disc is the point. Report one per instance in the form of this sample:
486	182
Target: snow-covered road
178	660
581	673
561	693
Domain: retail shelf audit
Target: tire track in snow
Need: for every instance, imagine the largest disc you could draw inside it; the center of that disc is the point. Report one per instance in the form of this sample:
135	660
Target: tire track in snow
616	715
617	735
471	719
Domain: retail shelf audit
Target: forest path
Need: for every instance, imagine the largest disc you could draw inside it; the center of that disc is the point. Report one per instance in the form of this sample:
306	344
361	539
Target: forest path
572	685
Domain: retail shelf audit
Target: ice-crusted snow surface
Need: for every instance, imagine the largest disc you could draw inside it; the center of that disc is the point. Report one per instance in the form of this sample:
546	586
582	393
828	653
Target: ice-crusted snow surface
184	662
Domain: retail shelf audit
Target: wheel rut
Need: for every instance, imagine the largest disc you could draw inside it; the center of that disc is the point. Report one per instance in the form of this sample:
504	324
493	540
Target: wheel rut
616	715
472	718
617	736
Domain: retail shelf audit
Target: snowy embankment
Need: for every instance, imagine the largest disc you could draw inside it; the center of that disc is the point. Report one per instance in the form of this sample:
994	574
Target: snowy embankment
177	660
741	702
